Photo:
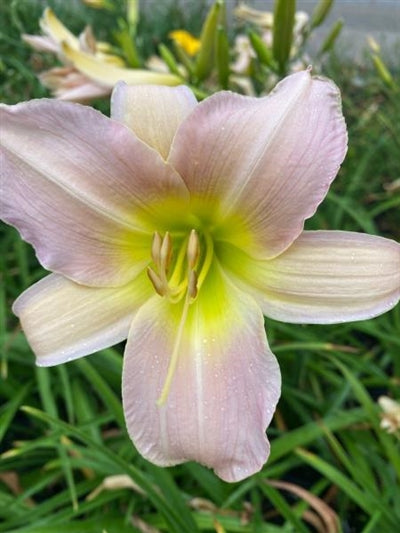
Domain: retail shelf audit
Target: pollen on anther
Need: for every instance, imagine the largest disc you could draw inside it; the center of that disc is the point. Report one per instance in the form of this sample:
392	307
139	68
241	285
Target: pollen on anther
166	252
156	249
192	284
193	249
158	285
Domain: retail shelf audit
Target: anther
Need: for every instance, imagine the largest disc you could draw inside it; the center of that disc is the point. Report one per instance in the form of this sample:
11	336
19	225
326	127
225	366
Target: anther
193	249
165	253
158	285
156	249
192	284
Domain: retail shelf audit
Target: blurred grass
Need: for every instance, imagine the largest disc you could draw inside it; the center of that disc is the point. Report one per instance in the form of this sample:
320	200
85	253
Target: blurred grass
62	430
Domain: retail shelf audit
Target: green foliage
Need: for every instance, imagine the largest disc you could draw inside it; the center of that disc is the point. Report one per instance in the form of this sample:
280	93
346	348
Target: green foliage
206	55
62	432
283	32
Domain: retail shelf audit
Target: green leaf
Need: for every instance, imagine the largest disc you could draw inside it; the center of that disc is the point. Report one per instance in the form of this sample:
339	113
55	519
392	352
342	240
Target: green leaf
125	39
169	59
284	12
320	12
262	51
331	37
84	409
49	403
363	499
171	516
103	390
382	70
281	506
205	60
165	482
311	431
372	411
9	409
216	489
223	57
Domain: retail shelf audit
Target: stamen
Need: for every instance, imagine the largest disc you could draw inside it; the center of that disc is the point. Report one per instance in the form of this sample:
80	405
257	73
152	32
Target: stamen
156	249
175	354
179	284
207	260
193	249
157	283
165	253
192	284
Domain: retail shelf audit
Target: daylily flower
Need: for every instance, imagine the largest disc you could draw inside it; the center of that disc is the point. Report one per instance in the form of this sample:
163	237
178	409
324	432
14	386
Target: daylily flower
188	42
176	225
67	82
264	19
390	418
89	69
244	52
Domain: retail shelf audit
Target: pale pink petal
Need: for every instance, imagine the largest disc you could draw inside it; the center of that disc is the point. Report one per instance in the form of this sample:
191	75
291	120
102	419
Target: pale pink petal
77	185
153	112
267	162
324	277
85	92
224	390
41	44
63	320
68	84
57	76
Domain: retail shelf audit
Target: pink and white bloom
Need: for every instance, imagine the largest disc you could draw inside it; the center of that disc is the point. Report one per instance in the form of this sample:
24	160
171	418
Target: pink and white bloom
67	82
89	70
177	225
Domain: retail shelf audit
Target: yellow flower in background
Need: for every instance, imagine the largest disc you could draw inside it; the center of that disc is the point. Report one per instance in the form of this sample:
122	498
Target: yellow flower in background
185	40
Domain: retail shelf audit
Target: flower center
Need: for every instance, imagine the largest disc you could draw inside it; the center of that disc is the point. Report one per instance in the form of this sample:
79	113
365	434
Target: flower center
176	276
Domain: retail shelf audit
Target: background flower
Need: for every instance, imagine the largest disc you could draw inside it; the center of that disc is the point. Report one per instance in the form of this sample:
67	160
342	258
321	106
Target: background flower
90	70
